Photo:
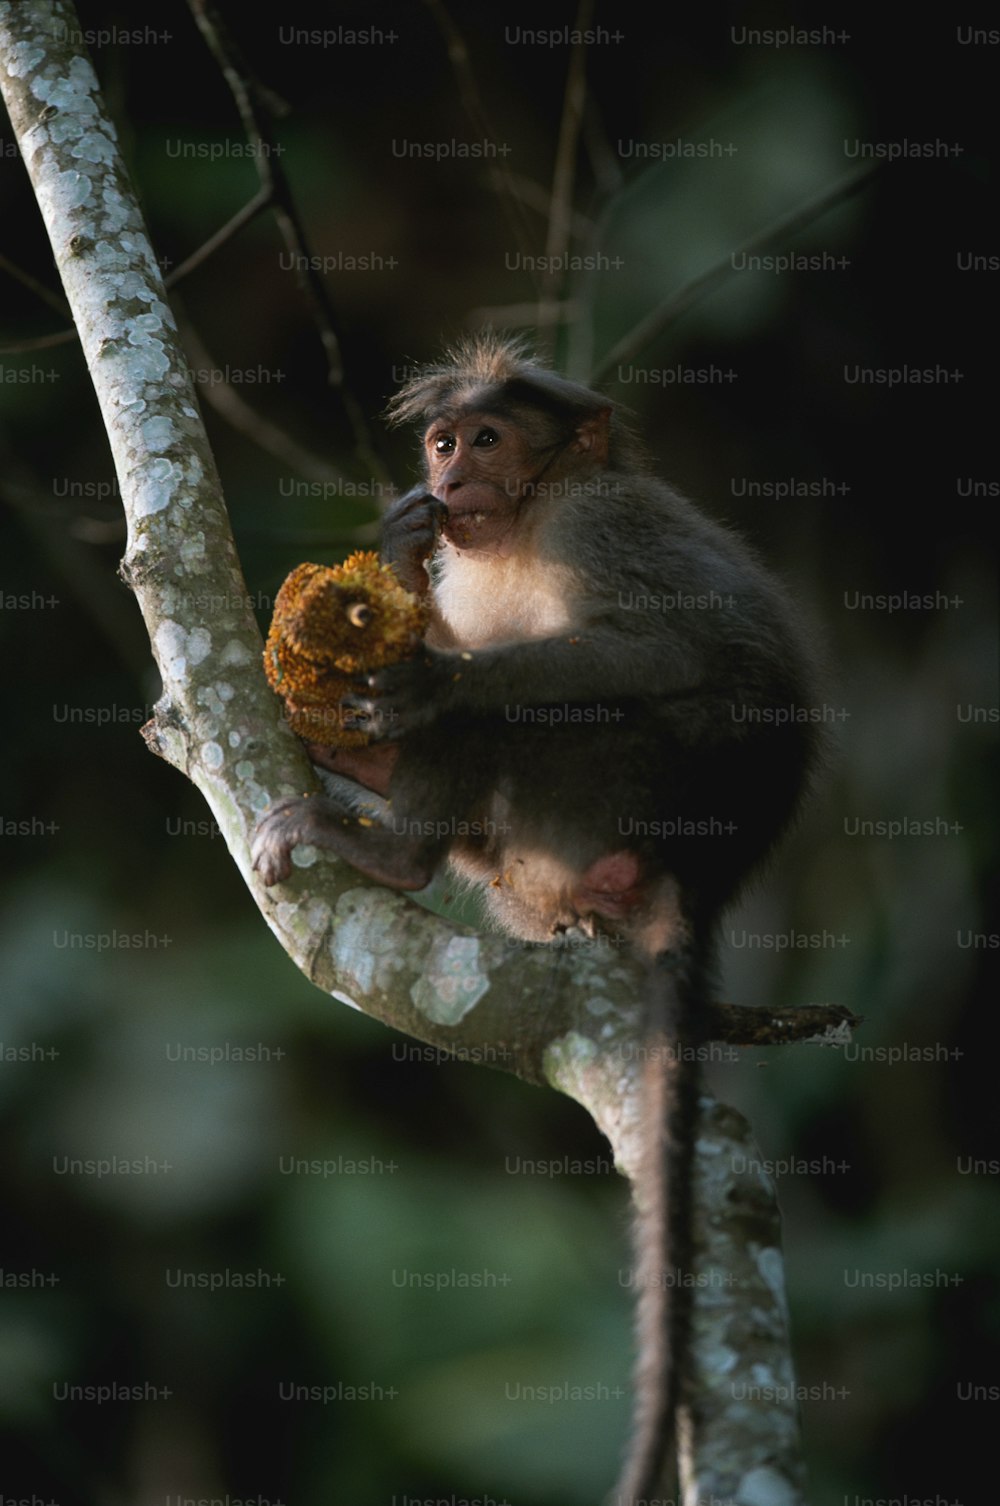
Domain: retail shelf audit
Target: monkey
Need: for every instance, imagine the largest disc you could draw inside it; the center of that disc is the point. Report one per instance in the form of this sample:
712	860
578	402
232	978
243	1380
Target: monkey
603	732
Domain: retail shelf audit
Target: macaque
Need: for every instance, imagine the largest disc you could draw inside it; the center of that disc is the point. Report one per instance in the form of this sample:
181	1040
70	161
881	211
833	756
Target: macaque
600	734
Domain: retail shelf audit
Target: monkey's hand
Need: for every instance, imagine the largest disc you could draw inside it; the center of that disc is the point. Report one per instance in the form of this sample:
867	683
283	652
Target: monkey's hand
410	532
401	697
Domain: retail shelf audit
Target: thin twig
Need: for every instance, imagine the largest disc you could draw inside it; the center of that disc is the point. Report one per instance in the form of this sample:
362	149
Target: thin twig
557	239
647	330
578	355
237	412
39	289
39	342
604	164
468	89
77	569
534	197
256	205
255	109
752	1025
523	315
261	200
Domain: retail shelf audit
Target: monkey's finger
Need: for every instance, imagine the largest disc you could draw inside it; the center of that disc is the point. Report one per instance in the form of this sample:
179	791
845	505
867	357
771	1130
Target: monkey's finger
392	677
381	719
358	703
386	727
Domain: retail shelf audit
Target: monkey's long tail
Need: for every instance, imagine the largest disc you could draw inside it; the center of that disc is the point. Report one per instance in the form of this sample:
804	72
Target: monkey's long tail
662	1196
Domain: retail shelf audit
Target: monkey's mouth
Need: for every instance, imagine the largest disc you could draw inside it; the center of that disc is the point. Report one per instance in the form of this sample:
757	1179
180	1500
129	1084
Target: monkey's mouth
482	530
460	525
467	515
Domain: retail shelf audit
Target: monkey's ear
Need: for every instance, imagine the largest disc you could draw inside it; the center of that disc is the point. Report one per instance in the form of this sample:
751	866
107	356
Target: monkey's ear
592	436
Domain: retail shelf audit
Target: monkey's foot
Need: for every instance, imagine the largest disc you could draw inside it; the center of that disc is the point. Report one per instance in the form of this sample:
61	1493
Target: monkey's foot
289	822
611	887
314	820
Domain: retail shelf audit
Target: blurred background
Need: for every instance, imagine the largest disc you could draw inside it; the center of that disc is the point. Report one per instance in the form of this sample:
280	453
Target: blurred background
164	1070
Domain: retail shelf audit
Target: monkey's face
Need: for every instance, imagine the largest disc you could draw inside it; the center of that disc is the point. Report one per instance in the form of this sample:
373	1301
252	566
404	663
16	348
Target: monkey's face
482	467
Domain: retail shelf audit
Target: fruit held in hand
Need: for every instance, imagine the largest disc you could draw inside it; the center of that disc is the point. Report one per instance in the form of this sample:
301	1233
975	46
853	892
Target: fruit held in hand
330	625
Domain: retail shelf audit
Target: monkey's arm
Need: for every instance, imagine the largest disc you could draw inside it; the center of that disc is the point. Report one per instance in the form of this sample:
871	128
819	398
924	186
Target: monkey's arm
603	666
589	669
691	611
600	664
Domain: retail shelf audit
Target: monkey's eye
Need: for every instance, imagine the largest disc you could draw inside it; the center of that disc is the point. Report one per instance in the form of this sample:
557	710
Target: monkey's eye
359	614
444	444
486	438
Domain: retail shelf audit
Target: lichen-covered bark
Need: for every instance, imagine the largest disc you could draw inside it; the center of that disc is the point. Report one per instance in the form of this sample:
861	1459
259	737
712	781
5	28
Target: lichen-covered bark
741	1416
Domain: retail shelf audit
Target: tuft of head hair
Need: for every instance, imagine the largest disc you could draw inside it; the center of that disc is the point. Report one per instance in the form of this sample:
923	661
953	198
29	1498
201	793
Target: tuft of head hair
489	371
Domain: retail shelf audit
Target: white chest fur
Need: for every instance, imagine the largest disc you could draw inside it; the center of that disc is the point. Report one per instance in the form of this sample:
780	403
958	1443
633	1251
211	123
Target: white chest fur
488	601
